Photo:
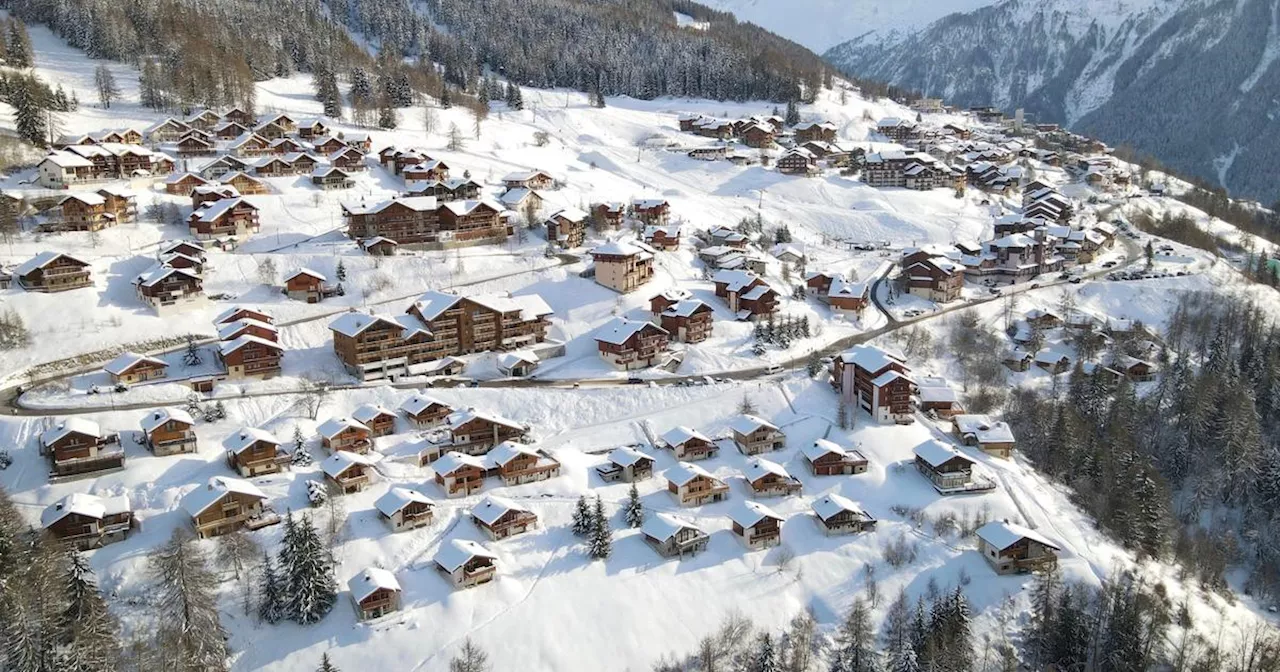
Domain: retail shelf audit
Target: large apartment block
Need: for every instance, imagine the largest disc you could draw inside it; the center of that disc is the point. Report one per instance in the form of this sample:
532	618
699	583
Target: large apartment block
437	325
429	222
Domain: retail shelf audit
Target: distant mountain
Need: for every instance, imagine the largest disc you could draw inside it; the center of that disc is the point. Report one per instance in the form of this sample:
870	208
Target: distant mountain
1192	82
822	24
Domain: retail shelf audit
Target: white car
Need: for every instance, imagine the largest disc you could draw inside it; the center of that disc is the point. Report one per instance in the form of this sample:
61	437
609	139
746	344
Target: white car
773	368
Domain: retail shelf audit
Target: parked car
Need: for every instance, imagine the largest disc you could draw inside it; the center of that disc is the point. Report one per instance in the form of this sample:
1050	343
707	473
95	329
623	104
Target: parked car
773	368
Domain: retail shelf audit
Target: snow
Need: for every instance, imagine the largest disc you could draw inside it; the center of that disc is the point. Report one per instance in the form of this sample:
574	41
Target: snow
492	508
121	365
747	514
746	424
937	453
246	437
686	471
397	498
335	426
200	499
1002	535
83	426
155	419
458	552
822	24
342	460
371	581
833	504
662	526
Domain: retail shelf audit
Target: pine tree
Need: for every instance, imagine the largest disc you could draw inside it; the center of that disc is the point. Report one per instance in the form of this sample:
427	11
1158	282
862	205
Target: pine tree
192	355
305	565
515	99
18	52
326	84
765	658
793	114
635	509
456	142
326	665
89	634
341	271
601	544
387	116
191	628
746	406
270	592
29	111
582	519
857	640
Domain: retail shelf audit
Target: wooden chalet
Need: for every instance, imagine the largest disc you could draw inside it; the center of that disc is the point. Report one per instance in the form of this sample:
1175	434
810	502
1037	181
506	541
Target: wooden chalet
798	161
181	184
692	485
237	313
248	327
378	419
826	458
756	525
651	211
533	179
748	296
78	446
665	238
1013	549
822	131
348	158
567	228
459	474
332	177
690	444
766	478
131	368
225	505
950	472
632	344
53	272
254	452
169	431
501	518
754	435
227	217
673	536
425	412
374	593
517	463
405	509
166	289
466	563
85	522
346	434
626	464
379	246
250	357
839	515
688	321
980	431
246	184
611	215
347	472
307	285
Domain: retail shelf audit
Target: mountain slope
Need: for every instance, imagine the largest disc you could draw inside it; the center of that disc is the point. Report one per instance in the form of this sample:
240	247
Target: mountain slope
822	24
1187	81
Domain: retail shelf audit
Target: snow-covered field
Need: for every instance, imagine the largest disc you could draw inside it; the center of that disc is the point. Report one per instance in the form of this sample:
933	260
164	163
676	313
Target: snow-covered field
552	607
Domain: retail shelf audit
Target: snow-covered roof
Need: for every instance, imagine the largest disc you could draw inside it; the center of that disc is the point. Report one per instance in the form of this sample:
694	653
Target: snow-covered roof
822	447
342	460
453	460
242	439
1002	535
367	413
734	280
158	417
306	272
618	248
663	526
86	197
870	357
832	504
395	499
462	417
531	306
64	159
746	424
69	426
125	361
353	324
462	208
680	434
84	504
507	360
685	308
370	581
669	230
212	211
415	203
335	426
626	456
228	347
525	176
419	403
758	468
620	329
748	513
227	314
984	429
509	450
159	272
459	552
41	260
570	214
200	499
684	472
227	330
888	377
937	453
493	507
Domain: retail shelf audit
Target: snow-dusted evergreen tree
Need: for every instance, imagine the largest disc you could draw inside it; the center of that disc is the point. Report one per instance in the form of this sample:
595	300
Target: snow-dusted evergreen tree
307	570
190	628
900	655
270	591
29	111
515	99
471	658
341	271
856	640
765	658
387	118
326	85
457	142
747	406
793	114
89	635
634	510
17	46
326	665
191	357
601	541
582	519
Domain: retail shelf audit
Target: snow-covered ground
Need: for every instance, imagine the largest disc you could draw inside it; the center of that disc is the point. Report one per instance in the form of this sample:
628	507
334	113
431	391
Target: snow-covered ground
552	608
